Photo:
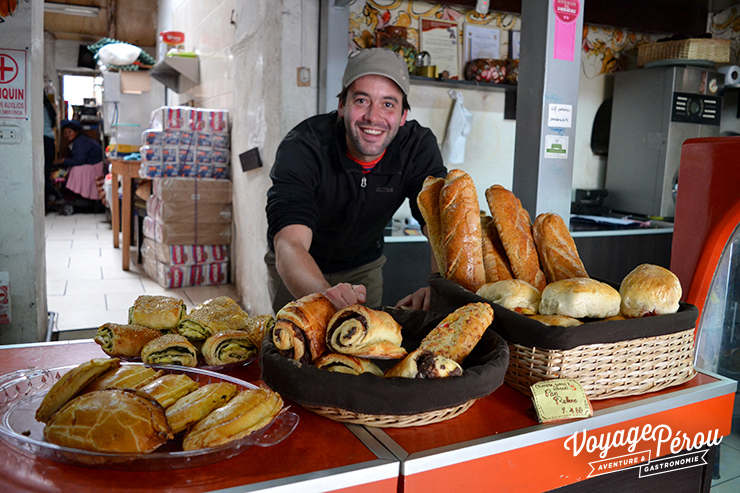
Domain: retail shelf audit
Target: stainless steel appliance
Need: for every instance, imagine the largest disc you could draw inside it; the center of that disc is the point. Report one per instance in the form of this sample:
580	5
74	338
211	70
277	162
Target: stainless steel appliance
654	111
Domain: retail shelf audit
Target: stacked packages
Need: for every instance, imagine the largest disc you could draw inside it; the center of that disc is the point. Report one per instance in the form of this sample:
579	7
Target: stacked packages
187	232
188	142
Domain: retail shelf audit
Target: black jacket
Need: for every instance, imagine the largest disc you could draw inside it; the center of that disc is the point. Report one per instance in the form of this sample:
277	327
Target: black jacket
317	185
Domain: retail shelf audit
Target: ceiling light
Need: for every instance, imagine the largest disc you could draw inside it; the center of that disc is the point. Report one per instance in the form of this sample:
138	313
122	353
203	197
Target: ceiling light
481	6
71	9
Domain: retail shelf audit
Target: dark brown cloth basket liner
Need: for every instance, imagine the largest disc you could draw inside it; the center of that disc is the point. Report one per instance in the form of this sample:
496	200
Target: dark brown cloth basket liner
370	394
515	328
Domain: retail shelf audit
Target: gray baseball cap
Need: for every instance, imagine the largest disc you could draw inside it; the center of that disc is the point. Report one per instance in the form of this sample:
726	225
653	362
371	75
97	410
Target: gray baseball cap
377	61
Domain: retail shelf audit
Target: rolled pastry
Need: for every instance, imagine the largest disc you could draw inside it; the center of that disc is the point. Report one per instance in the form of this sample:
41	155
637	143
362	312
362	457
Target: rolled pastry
300	328
360	331
170	349
199	404
459	332
428	202
495	261
71	383
249	411
157	312
344	363
167	389
258	326
124	377
515	230
113	420
425	364
212	316
230	346
556	248
124	339
461	231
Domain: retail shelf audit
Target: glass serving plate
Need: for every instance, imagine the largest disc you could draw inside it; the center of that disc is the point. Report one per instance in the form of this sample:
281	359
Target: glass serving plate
201	364
22	391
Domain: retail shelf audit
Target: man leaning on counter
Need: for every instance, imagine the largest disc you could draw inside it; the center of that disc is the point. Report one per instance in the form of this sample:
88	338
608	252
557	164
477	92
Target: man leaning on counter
337	180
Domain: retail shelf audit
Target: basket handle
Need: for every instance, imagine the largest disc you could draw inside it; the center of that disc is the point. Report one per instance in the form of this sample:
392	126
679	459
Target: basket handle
282	426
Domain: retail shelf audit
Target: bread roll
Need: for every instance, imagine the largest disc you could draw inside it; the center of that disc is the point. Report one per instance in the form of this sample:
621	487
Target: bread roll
124	340
157	312
495	262
344	363
423	363
580	297
557	250
461	235
556	320
649	290
514	229
513	294
113	420
71	383
366	333
213	316
300	328
428	202
459	332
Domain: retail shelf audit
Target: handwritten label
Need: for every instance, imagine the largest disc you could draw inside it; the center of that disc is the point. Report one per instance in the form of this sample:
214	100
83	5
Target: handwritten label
560	115
564	398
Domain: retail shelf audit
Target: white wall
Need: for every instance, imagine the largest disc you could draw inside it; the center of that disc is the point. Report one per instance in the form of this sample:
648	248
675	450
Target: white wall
22	246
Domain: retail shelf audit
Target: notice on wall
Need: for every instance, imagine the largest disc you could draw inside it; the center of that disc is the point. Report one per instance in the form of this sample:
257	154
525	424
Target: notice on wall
560	115
440	40
13	97
556	146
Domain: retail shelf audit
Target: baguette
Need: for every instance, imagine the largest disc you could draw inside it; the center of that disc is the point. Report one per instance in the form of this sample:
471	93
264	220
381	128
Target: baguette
514	228
461	231
557	250
428	202
495	262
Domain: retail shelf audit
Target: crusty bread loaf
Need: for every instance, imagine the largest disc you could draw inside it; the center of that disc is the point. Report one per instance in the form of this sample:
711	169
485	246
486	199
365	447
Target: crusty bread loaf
649	290
557	250
495	262
428	202
580	297
514	229
461	235
513	294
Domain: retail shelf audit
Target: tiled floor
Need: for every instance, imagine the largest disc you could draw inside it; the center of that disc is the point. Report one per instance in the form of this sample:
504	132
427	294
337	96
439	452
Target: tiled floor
86	285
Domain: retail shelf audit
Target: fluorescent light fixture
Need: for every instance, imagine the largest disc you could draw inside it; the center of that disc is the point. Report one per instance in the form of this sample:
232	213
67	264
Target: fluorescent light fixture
71	9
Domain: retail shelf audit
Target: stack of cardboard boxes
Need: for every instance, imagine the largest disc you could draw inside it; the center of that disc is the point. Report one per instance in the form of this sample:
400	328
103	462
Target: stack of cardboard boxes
188	231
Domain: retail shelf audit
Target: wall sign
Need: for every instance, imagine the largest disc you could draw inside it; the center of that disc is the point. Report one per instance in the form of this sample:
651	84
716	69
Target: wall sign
566	14
13	97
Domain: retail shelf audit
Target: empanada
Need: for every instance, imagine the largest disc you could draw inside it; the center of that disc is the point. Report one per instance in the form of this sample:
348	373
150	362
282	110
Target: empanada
167	389
199	404
124	377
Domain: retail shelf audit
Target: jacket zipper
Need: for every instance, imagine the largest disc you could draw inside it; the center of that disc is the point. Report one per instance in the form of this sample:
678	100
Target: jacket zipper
363	186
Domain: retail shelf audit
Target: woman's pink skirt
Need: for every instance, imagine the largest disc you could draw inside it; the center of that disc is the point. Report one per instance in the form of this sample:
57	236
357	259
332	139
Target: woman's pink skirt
81	180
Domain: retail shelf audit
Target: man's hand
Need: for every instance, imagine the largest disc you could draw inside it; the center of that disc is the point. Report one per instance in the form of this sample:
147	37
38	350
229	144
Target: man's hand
416	301
345	294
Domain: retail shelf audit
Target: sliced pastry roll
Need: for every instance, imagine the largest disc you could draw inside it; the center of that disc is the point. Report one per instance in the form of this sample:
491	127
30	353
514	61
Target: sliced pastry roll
167	389
170	349
199	404
459	332
71	383
425	364
258	326
344	363
300	327
124	340
249	411
360	331
212	316
113	420
157	312
230	346
124	377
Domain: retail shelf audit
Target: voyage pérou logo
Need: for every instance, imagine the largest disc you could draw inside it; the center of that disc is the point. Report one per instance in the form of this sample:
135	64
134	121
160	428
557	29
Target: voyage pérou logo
652	442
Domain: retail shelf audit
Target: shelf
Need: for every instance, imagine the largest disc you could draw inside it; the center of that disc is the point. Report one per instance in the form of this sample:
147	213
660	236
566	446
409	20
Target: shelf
508	89
177	73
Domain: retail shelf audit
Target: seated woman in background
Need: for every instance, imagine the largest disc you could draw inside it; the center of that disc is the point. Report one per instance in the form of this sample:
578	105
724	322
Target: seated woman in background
85	161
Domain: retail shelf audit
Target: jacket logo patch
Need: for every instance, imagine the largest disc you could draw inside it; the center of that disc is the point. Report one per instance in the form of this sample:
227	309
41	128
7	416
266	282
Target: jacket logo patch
384	189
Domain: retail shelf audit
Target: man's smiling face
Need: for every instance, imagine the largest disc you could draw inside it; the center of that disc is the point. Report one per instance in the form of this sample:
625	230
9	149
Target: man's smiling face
372	114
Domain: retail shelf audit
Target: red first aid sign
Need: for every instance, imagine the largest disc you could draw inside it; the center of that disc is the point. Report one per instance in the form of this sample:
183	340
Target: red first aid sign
13	97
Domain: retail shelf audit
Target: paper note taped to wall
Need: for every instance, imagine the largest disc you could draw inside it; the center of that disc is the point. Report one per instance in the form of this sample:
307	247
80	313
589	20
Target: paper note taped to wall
560	115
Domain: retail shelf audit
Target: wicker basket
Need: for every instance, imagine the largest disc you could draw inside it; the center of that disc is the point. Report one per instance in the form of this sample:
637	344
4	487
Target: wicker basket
715	50
617	369
390	421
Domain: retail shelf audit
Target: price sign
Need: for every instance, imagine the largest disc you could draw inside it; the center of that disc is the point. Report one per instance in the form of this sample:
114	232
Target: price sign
556	400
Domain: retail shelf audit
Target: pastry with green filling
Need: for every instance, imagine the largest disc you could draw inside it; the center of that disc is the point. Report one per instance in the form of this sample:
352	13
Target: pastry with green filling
215	315
157	312
124	340
170	349
229	346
